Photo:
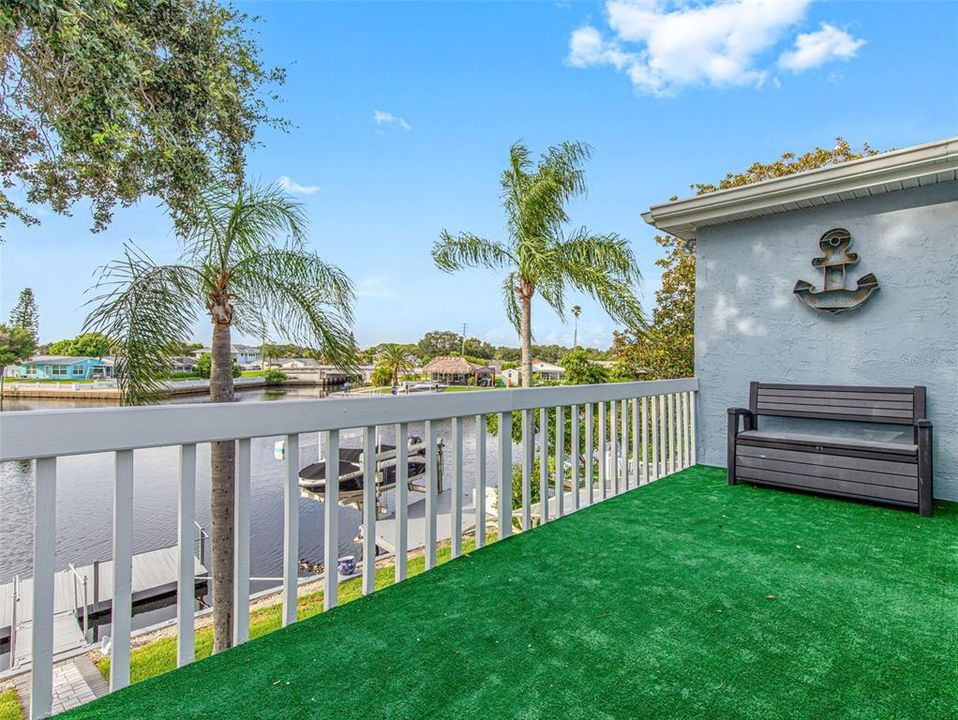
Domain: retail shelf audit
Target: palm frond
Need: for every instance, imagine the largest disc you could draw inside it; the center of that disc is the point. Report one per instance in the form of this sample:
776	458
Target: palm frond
604	267
304	298
510	295
551	288
454	252
148	311
232	224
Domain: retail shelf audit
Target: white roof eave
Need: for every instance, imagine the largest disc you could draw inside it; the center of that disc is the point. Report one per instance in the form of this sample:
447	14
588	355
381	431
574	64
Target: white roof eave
918	165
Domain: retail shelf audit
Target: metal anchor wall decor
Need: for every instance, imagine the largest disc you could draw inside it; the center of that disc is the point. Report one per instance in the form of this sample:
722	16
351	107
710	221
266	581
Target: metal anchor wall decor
835	297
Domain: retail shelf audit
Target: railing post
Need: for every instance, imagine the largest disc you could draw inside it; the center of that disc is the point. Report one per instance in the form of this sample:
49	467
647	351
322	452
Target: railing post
505	475
624	449
560	461
663	438
13	621
636	468
431	492
241	515
614	453
654	422
121	613
672	428
331	523
291	530
186	558
645	440
480	480
543	465
589	454
693	396
44	544
369	508
603	454
456	500
402	500
528	455
575	455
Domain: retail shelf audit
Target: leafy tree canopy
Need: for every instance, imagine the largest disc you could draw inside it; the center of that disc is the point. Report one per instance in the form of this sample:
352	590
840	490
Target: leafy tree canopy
580	369
90	344
439	342
16	344
114	100
666	349
287	350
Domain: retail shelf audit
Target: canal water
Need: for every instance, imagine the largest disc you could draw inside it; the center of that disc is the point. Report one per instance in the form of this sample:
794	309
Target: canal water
84	497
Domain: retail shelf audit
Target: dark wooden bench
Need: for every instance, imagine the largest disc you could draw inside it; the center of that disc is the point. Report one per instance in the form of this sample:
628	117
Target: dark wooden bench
890	473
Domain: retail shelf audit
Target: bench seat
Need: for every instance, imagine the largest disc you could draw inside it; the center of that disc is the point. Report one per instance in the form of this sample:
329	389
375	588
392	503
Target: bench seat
760	436
893	473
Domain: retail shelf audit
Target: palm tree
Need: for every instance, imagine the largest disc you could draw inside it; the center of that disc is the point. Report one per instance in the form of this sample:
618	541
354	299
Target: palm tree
540	255
396	359
576	311
235	270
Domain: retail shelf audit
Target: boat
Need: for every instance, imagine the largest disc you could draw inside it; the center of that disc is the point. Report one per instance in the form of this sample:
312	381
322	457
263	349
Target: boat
425	387
312	478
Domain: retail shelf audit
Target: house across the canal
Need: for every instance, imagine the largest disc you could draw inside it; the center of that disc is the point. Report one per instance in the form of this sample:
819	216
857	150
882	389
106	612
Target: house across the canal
65	367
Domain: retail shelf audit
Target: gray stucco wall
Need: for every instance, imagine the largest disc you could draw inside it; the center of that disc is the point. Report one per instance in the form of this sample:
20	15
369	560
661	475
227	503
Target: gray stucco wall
750	326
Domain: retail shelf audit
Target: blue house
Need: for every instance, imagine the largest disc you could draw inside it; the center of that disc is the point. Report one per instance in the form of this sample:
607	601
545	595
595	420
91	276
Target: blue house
63	367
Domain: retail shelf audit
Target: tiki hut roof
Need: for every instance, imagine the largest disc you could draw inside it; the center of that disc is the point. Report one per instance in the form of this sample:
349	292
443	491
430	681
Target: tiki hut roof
449	365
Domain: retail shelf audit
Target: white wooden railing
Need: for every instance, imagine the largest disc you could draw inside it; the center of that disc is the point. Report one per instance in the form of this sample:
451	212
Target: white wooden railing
639	433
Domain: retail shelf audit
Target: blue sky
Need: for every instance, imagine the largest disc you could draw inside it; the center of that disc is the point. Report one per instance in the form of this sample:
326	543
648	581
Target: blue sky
404	113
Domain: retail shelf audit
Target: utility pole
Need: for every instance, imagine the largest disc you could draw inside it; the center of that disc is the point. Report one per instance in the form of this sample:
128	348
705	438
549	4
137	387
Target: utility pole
463	351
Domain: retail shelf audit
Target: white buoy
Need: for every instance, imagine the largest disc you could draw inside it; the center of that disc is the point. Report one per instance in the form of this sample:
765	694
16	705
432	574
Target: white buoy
279	450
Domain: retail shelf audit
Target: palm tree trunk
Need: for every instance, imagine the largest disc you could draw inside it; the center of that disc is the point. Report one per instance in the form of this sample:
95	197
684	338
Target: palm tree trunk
222	490
525	336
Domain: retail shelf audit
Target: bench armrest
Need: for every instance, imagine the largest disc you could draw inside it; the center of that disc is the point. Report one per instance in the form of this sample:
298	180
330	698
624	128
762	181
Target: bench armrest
735	413
925	471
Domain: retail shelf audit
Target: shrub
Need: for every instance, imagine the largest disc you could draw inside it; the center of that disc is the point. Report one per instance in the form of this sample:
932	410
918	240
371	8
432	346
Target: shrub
205	362
274	377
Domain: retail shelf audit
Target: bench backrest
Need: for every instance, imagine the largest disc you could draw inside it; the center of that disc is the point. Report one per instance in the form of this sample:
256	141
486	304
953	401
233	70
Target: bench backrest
894	405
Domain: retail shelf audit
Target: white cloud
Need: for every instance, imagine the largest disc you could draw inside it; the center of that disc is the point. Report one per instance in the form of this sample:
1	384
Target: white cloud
664	46
290	185
387	119
817	48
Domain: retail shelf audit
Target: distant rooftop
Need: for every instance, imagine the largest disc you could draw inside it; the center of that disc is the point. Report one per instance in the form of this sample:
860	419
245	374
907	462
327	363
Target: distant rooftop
65	359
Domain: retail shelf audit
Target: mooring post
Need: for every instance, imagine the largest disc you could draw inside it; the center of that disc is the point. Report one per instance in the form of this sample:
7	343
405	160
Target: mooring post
96	586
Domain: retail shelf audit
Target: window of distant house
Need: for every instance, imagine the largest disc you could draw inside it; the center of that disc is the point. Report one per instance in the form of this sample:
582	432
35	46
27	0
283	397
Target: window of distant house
31	370
60	370
78	370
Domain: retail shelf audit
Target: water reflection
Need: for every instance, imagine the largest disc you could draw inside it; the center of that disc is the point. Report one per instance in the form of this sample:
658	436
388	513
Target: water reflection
84	492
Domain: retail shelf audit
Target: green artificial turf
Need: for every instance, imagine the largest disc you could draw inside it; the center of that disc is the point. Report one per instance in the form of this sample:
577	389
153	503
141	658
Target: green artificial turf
684	599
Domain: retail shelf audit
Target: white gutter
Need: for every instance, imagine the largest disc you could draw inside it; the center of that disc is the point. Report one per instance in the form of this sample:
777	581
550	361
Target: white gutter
912	166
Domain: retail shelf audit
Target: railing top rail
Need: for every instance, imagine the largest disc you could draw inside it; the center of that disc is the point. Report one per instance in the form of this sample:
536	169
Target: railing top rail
54	433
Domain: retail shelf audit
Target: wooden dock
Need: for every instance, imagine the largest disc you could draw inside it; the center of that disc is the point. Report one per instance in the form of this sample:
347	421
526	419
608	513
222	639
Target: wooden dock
154	578
416	522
